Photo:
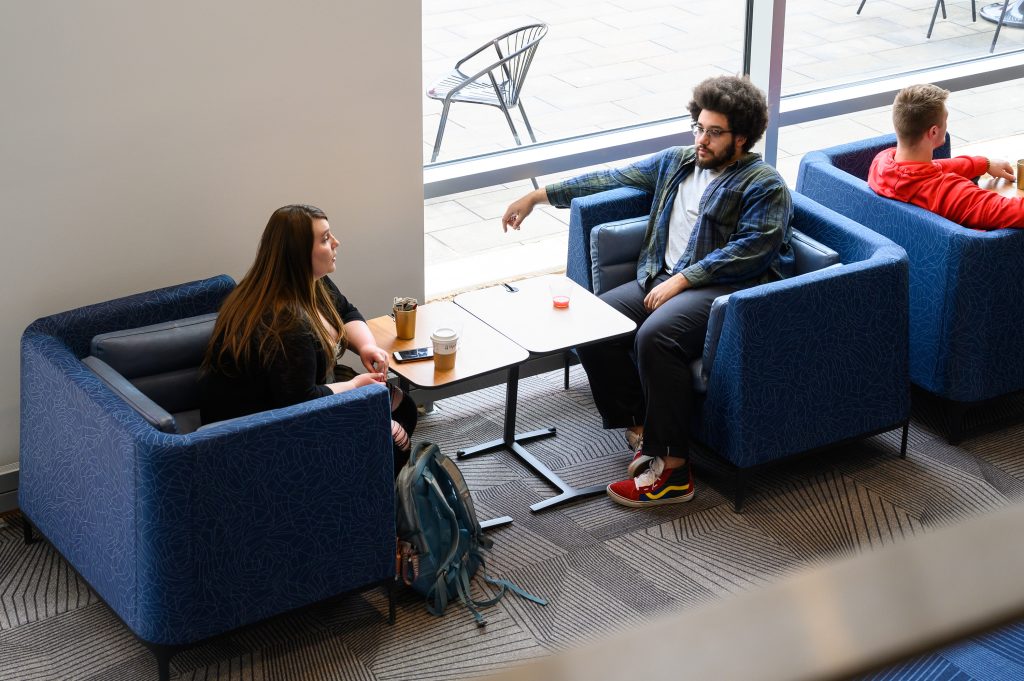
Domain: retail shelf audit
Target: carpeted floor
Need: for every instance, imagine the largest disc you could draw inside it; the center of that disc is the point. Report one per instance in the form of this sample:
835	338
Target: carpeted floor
602	566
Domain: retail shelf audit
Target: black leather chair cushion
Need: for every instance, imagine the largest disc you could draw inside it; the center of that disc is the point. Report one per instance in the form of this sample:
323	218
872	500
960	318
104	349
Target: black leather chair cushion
162	360
613	249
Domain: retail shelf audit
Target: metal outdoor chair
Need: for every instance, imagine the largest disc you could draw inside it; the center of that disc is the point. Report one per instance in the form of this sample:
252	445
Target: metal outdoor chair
497	84
991	12
940	4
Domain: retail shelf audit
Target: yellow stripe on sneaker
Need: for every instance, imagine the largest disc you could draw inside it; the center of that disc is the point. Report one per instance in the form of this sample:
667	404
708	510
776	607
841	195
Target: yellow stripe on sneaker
669	488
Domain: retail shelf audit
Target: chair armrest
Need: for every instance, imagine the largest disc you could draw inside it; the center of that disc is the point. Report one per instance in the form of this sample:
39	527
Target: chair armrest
614	250
809	361
590	211
153	413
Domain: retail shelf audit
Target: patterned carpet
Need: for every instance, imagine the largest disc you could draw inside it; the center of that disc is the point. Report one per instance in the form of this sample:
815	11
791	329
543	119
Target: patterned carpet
603	567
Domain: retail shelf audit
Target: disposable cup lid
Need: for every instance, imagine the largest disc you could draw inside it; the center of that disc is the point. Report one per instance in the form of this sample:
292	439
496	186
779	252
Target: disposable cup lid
444	334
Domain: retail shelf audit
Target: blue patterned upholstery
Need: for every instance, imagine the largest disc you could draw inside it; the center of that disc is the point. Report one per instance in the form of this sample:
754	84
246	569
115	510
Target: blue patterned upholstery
188	536
995	655
804	362
966	288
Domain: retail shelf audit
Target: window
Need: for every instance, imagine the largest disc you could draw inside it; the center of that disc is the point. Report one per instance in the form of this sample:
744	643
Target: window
611	81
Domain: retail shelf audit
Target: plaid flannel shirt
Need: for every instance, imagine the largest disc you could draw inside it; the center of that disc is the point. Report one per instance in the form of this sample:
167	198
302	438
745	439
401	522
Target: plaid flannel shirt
743	222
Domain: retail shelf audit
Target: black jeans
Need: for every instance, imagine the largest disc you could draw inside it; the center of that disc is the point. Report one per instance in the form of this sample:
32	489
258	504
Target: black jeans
655	389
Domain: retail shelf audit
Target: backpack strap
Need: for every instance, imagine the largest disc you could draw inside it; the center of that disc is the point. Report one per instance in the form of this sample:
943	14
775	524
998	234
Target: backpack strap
439	592
462	490
514	588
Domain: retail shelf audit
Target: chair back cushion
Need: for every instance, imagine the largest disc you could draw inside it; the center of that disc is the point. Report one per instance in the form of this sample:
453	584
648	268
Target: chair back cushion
162	360
614	250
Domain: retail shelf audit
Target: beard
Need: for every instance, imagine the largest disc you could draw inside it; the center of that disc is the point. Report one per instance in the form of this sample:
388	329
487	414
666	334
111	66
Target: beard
715	161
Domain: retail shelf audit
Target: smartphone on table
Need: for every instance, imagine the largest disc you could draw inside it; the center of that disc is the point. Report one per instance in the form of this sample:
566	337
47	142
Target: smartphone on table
413	354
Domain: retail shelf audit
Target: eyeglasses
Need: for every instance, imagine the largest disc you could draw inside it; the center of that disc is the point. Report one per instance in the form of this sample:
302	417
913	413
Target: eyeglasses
713	133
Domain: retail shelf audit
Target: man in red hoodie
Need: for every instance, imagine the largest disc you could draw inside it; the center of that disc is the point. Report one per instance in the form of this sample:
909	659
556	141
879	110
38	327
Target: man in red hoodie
908	173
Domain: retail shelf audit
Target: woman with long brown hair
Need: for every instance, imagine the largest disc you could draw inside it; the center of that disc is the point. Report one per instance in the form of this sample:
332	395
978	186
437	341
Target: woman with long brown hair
280	332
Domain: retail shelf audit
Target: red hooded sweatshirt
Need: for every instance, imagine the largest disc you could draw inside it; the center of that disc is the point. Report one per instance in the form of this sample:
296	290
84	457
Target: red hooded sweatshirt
944	187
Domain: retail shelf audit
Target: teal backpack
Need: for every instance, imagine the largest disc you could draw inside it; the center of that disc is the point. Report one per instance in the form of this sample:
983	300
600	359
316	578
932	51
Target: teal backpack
440	541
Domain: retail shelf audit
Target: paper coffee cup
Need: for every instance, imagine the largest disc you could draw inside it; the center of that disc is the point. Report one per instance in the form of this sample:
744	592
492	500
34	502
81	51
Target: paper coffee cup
446	342
1020	173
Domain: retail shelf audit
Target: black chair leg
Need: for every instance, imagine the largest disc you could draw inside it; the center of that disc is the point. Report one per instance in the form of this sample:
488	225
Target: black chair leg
26	530
390	586
739	490
861	6
163	655
903	440
955	414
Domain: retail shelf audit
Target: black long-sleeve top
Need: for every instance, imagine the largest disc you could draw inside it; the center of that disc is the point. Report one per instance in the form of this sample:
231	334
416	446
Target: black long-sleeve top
295	375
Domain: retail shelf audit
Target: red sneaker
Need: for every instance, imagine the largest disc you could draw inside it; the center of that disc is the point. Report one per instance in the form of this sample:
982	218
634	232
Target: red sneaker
655	486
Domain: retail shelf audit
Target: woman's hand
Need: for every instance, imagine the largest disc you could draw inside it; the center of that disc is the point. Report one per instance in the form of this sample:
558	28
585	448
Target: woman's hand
374	358
357	382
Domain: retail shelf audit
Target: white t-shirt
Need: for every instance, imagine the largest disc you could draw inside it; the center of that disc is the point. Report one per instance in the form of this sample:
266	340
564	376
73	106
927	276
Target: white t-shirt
684	213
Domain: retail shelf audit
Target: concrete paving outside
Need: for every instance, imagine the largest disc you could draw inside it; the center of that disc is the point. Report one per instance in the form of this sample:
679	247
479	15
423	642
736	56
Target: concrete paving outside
613	63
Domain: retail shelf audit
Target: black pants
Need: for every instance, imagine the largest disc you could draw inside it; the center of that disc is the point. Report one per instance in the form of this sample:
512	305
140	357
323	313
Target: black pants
405	415
654	390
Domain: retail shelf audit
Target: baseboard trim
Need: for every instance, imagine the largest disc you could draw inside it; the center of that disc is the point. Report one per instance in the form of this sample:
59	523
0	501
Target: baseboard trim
8	487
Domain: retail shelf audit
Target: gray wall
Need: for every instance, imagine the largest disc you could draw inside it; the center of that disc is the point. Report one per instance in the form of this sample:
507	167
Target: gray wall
146	144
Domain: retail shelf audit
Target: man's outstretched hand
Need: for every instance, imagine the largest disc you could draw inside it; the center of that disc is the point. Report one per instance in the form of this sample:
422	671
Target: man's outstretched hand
520	208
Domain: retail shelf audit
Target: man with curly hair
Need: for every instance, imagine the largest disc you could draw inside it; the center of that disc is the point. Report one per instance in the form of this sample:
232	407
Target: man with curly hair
719	221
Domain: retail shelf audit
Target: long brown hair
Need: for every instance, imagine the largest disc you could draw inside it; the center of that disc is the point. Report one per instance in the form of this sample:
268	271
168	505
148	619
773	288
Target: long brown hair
276	295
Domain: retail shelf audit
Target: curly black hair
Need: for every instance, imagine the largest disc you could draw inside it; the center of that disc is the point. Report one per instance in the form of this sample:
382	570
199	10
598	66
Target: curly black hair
738	100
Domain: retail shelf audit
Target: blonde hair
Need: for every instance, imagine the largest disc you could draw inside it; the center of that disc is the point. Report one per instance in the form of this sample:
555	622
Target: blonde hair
916	109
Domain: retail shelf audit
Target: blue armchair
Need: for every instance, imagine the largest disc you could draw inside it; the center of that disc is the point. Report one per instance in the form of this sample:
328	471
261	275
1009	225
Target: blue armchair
966	288
792	366
186	536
